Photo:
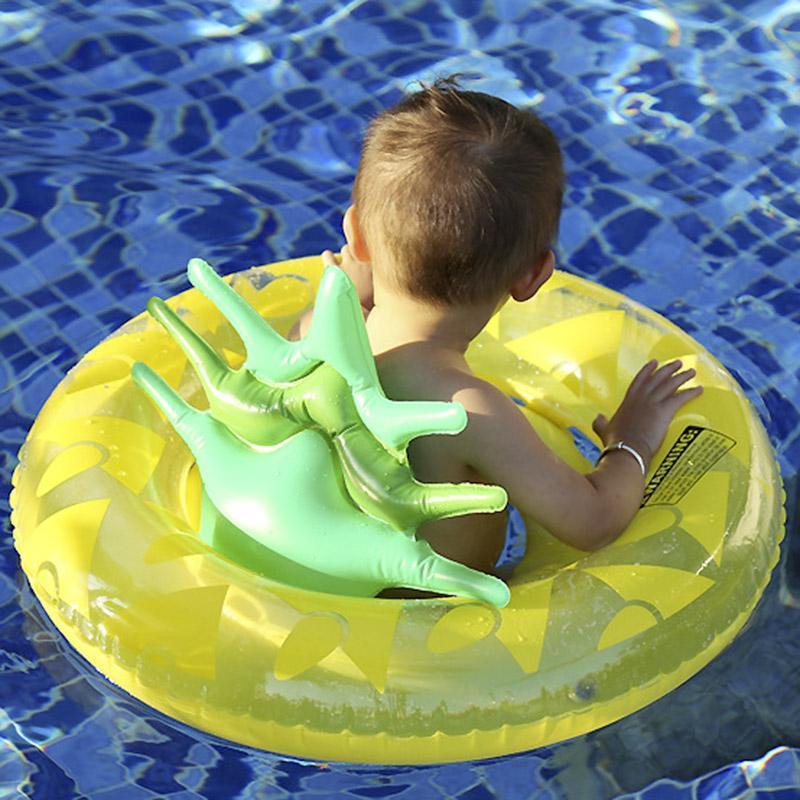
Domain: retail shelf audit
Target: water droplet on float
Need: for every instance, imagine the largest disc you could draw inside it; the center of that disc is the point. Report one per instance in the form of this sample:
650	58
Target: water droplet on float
584	690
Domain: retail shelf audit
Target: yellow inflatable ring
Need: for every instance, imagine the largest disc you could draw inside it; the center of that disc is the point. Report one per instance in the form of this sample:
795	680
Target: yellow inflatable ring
106	504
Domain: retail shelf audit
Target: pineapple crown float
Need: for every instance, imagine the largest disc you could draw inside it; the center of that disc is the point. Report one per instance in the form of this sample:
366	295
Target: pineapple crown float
303	458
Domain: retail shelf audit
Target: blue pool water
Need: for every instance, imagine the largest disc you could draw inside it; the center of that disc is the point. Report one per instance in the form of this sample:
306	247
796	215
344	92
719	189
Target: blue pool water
136	134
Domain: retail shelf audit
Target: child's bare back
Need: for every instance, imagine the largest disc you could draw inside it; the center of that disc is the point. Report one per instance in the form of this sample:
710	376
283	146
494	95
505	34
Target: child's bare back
476	539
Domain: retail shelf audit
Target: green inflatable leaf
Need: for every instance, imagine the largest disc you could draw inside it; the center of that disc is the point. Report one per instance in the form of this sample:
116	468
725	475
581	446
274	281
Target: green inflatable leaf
303	453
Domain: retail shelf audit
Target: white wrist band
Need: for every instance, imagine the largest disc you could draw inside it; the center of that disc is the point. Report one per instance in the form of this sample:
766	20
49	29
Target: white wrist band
628	449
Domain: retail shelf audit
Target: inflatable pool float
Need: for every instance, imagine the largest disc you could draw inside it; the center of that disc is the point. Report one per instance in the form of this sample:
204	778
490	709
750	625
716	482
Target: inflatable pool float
107	516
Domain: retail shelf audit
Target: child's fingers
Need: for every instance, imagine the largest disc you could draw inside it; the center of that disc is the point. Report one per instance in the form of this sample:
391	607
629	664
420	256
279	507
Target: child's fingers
600	424
666	370
670	386
680	399
642	375
328	258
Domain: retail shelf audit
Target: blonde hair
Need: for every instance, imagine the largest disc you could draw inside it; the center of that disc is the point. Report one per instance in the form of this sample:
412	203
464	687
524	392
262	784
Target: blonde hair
464	190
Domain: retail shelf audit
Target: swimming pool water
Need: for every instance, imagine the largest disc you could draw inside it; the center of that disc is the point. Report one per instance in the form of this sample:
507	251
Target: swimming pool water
137	134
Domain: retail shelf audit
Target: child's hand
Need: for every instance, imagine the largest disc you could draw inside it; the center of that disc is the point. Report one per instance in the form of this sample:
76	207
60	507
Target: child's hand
647	409
360	272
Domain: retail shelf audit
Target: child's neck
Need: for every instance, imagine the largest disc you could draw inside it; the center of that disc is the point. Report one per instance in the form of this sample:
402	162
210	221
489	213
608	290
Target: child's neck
397	320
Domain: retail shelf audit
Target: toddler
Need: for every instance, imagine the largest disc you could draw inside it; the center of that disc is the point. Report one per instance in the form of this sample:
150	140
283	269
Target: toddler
456	204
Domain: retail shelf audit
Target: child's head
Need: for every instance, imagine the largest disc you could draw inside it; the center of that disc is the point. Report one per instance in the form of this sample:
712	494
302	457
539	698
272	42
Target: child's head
458	193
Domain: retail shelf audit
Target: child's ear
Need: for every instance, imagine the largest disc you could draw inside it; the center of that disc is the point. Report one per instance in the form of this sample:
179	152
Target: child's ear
354	234
533	279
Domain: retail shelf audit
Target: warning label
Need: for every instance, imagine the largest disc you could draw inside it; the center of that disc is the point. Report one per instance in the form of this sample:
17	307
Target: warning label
695	451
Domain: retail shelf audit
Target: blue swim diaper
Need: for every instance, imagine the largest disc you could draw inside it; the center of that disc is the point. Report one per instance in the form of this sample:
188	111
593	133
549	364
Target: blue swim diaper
516	540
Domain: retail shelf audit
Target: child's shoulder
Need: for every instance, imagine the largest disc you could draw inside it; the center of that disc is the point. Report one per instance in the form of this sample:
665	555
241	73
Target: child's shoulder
490	414
409	375
411	372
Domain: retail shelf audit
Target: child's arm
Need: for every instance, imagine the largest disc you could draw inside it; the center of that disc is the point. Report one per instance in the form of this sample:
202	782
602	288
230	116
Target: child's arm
360	272
585	511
